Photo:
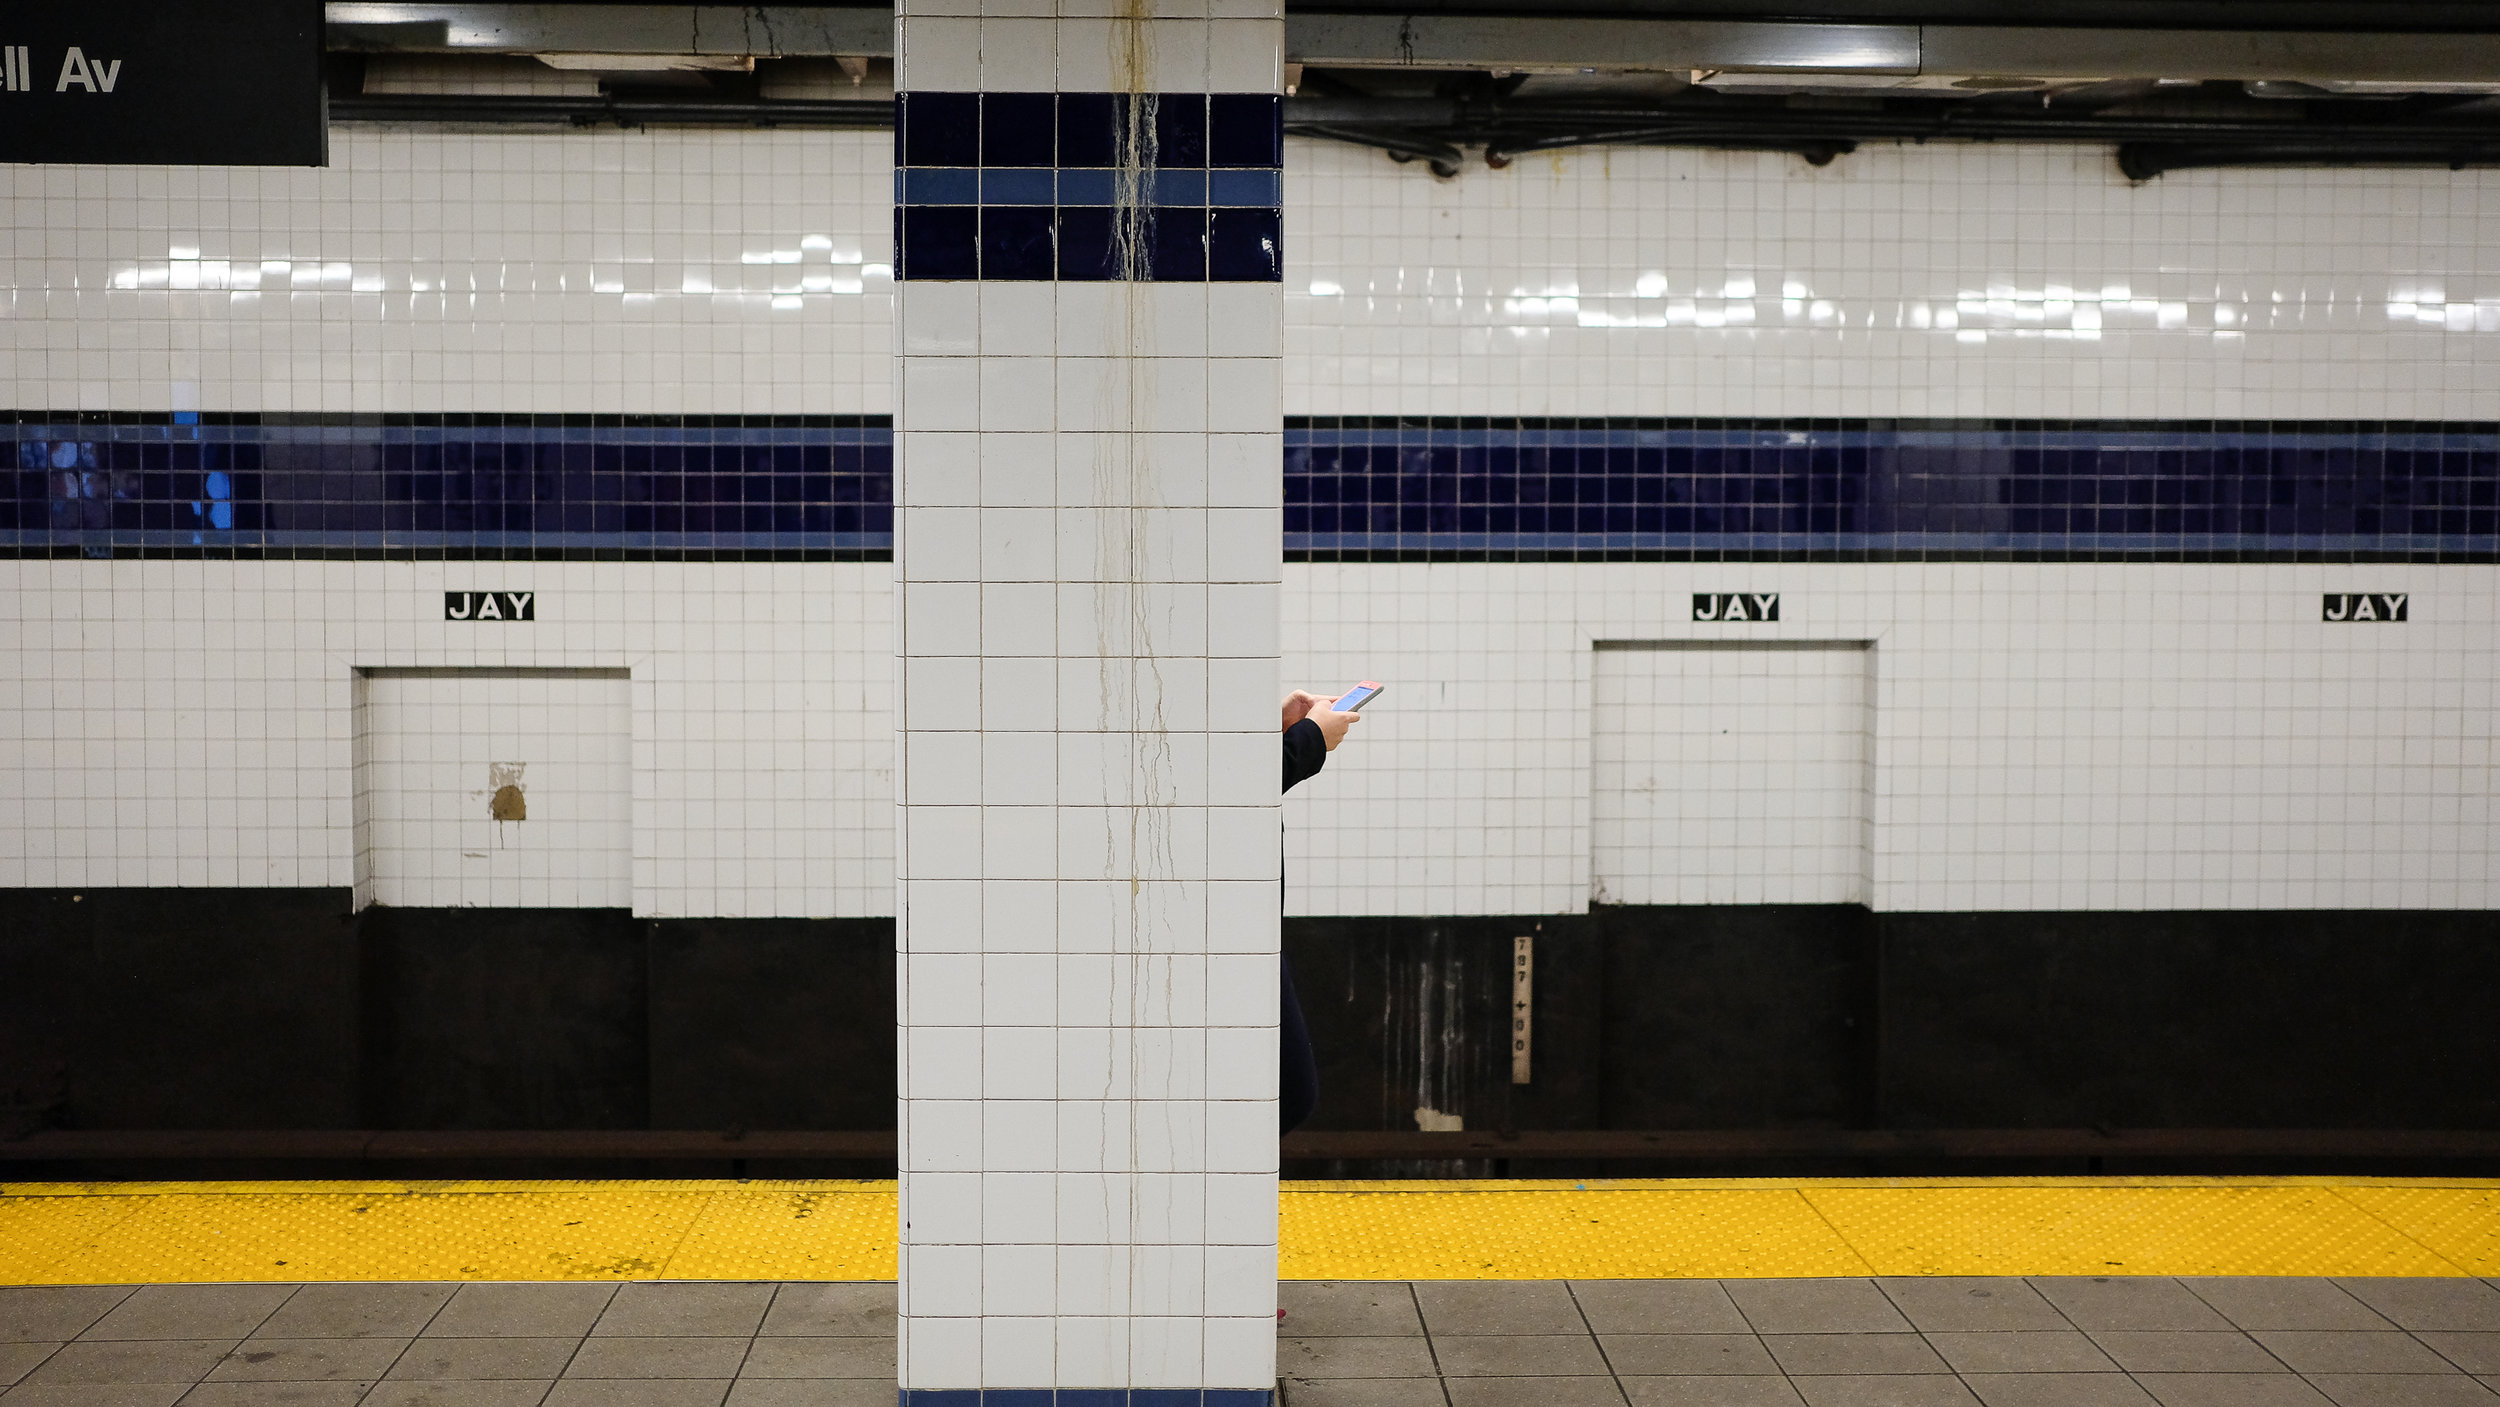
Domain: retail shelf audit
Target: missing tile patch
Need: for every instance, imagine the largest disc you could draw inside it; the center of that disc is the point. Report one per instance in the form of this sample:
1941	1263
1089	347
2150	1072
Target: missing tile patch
507	804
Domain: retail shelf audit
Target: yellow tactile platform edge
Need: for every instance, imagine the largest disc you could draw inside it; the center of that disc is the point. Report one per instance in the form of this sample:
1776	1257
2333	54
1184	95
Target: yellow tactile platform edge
121	1233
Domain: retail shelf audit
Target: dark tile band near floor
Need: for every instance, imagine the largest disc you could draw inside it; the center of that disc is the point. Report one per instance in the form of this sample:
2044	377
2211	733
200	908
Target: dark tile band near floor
1620	1343
480	1345
1893	1343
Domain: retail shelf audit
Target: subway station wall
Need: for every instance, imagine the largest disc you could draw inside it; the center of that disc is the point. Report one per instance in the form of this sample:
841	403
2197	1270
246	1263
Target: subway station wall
2079	465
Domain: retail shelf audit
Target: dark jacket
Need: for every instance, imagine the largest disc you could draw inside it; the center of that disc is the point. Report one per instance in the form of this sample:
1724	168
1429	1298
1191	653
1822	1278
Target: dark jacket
1297	1069
1306	751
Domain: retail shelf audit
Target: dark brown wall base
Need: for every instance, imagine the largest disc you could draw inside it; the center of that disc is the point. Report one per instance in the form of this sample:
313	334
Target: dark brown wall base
277	1009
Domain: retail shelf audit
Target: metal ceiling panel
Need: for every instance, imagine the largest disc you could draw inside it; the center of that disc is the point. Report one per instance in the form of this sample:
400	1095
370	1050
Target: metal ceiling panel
2210	53
1511	42
760	31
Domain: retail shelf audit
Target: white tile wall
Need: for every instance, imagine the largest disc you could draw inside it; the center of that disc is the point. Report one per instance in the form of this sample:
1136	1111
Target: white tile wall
1899	280
2046	736
1728	774
192	723
677	272
495	788
1088	540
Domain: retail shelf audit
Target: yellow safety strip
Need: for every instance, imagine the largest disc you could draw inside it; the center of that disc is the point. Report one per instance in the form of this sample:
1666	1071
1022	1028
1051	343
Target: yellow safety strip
159	1232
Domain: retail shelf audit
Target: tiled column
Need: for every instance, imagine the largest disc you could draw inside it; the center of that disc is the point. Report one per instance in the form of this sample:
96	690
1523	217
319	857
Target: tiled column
1087	547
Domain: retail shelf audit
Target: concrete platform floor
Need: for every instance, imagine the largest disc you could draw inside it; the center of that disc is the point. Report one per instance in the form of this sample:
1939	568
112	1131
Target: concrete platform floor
1928	1342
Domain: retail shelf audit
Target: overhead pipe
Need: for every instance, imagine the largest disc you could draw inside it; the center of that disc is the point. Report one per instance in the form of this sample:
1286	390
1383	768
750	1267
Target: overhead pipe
1436	130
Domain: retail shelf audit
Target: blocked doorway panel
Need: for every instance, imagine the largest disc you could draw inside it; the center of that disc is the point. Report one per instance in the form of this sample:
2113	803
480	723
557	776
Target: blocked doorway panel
494	788
1730	773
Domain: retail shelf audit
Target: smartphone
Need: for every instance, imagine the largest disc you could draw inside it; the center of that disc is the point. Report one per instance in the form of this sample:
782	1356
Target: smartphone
1352	700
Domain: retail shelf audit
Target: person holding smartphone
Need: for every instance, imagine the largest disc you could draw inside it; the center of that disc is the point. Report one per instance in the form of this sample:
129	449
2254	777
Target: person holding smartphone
1313	728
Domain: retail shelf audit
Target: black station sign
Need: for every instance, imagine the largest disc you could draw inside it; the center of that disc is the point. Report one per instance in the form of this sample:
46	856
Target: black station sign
162	82
490	605
2365	605
1736	605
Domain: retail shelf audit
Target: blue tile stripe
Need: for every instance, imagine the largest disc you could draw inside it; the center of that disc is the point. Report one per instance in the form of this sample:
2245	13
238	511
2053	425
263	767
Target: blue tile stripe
1029	186
820	488
1085	1397
1086	186
518	487
1592	489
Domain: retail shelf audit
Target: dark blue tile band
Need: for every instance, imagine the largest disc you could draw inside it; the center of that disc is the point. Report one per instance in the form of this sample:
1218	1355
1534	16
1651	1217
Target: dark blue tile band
817	488
1375	488
634	488
1027	186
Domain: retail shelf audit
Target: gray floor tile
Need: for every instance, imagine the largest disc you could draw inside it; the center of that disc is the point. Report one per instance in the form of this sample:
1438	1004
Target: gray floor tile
478	1360
275	1395
1904	1390
190	1312
508	1393
2404	1390
1517	1355
98	1395
2231	1390
2127	1302
509	1311
697	1310
1711	1392
2187	1351
1687	1355
141	1361
356	1312
42	1313
1357	1392
1855	1354
2285	1302
2315	1351
1499	1307
19	1359
2474	1352
1815	1307
1955	1303
2022	1351
1534	1392
827	1357
609	1392
1658	1307
820	1392
308	1361
865	1307
2430	1302
2057	1390
1369	1307
669	1356
1347	1356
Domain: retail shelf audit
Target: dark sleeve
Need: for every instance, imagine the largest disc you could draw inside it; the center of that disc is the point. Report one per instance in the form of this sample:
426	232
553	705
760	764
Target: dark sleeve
1306	751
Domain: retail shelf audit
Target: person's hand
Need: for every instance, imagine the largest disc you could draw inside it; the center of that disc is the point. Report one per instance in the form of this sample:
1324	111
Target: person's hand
1332	724
1301	704
1298	705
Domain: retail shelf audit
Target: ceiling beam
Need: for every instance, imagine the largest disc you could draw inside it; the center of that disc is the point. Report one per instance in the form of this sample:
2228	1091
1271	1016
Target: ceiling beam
1522	42
758	31
2209	53
1460	41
